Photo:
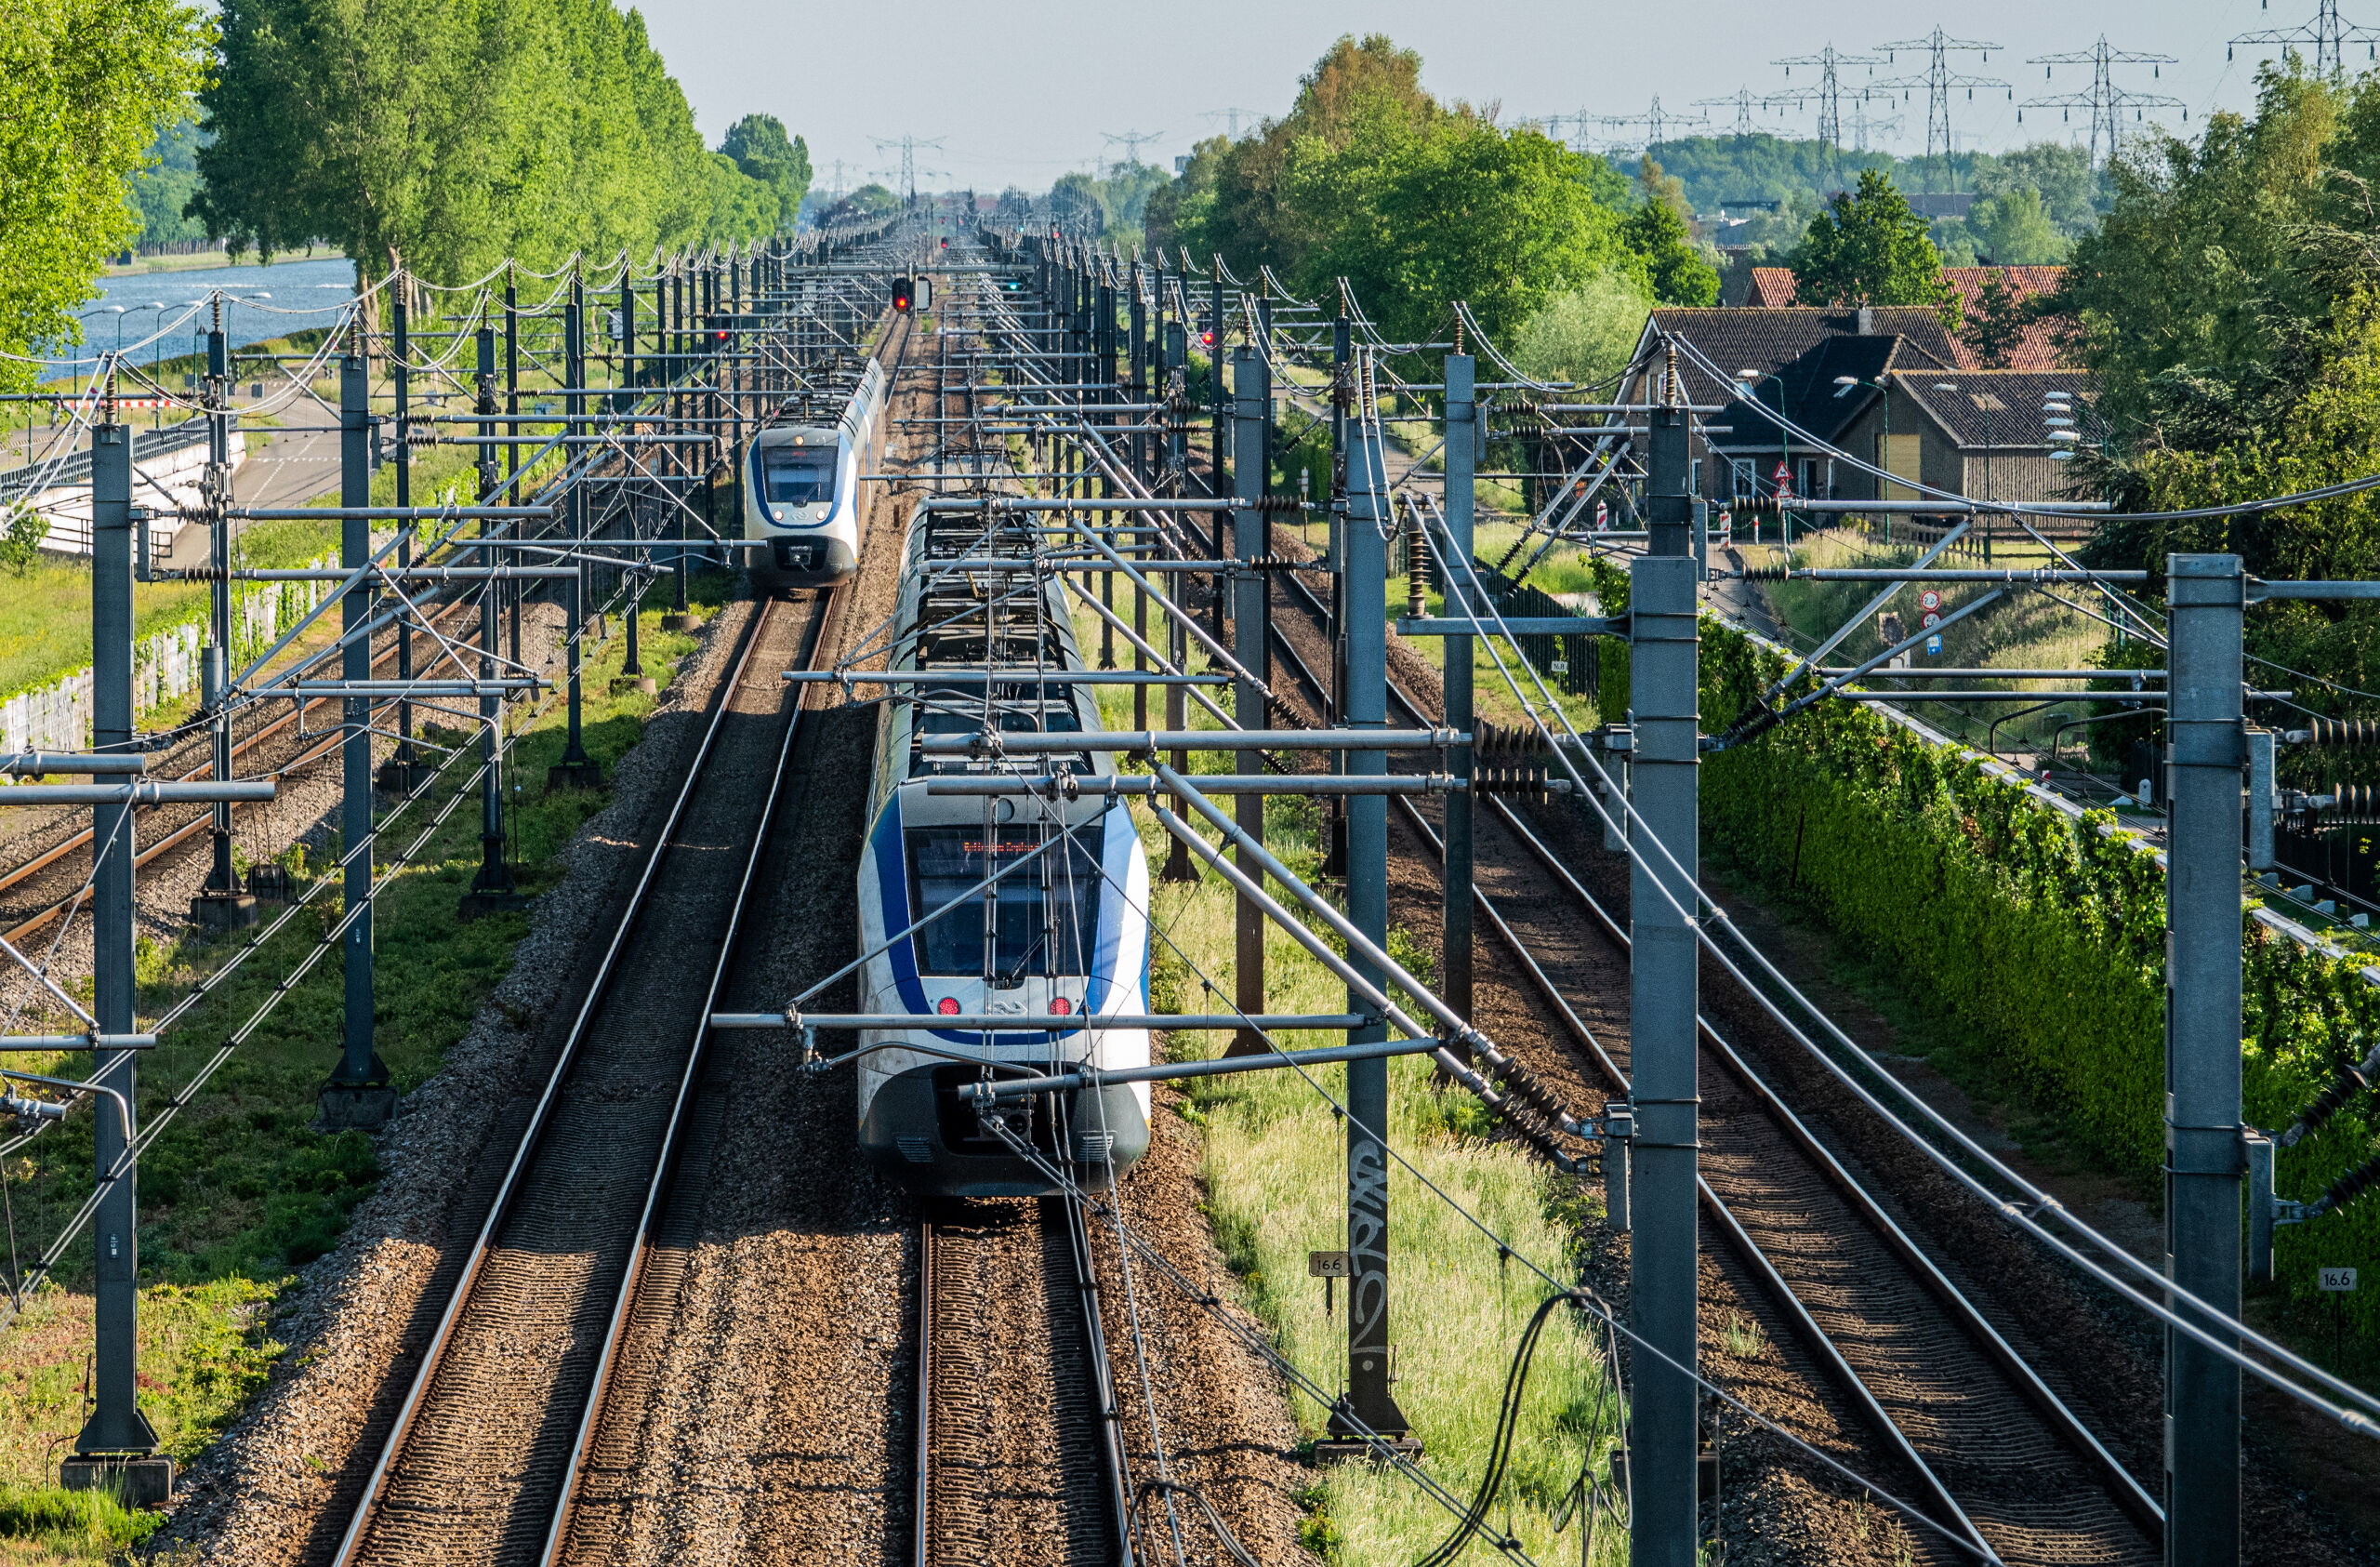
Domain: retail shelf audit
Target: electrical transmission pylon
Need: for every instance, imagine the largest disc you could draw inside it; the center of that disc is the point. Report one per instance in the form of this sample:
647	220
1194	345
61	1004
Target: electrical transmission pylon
1231	116
1132	141
1862	125
2106	102
2329	32
908	172
1937	82
1579	121
1658	127
1741	99
1827	93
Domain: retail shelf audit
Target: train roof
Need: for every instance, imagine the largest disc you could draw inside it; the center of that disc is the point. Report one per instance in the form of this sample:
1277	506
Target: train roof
984	619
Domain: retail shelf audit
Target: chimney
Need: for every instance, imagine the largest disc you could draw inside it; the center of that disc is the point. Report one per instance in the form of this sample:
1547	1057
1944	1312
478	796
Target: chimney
1867	321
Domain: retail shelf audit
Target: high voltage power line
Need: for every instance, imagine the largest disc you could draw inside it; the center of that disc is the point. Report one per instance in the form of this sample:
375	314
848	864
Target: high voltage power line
2329	32
1938	81
2106	102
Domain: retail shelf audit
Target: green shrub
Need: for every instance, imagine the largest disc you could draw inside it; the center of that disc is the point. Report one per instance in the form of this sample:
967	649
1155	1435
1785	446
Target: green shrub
2041	934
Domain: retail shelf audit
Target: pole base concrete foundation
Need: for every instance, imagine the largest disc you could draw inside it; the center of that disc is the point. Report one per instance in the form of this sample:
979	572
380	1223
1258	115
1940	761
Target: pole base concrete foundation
140	1481
678	620
217	912
623	684
476	904
400	777
575	775
352	1107
1335	1451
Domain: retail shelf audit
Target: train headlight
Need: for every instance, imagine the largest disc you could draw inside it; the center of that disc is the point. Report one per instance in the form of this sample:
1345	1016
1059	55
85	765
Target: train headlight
824	507
777	514
947	1007
1059	1006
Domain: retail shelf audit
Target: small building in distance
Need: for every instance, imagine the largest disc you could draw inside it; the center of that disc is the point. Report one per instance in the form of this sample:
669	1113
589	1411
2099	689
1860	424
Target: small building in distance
1889	386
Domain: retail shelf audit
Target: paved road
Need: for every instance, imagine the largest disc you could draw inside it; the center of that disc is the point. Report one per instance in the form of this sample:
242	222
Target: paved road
281	468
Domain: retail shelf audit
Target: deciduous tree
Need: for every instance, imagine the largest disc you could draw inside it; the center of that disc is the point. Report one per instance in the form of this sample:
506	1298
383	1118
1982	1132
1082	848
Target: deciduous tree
85	86
1869	248
759	145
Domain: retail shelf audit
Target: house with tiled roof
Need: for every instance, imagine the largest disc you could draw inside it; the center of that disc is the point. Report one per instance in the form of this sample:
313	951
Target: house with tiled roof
1889	386
1752	287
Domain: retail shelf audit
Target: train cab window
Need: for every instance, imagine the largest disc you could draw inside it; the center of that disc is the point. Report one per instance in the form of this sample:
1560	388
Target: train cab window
1044	915
797	475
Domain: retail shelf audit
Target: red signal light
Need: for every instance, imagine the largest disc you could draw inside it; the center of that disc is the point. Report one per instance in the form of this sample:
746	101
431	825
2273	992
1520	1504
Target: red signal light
901	294
947	1007
1206	340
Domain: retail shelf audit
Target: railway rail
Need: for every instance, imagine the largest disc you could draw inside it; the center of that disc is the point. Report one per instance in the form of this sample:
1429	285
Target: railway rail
985	1271
480	1459
1926	1366
66	861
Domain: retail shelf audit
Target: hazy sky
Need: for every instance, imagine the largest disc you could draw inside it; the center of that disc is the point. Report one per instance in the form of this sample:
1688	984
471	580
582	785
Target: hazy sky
1024	90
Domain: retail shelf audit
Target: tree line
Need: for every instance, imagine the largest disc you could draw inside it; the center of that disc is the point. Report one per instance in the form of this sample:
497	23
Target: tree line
2230	306
446	136
1417	202
452	136
2033	202
85	86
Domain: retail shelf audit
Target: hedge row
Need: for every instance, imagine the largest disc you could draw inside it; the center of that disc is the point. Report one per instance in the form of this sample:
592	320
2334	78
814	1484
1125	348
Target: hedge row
2043	935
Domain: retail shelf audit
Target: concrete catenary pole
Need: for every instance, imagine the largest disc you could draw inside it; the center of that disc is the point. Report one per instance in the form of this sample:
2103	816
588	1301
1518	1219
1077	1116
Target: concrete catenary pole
1250	392
116	1426
1460	464
2204	1153
575	769
357	1092
492	885
219	905
1369	1400
1663	999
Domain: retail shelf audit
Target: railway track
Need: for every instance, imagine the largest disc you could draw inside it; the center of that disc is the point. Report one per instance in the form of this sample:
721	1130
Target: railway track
53	876
1927	1369
1019	1458
480	1462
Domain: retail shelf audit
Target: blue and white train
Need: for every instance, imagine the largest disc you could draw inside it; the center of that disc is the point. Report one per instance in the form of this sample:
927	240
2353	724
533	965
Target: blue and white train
1063	932
801	492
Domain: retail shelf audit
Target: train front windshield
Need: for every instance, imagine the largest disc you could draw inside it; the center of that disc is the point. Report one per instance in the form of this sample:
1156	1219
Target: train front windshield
1044	915
797	475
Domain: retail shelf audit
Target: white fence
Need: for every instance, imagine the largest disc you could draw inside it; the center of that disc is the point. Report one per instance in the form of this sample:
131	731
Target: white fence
164	666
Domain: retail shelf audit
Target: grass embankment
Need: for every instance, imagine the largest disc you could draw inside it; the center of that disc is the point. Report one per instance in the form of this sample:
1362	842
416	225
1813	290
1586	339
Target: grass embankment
1276	1173
45	610
2022	630
239	1190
